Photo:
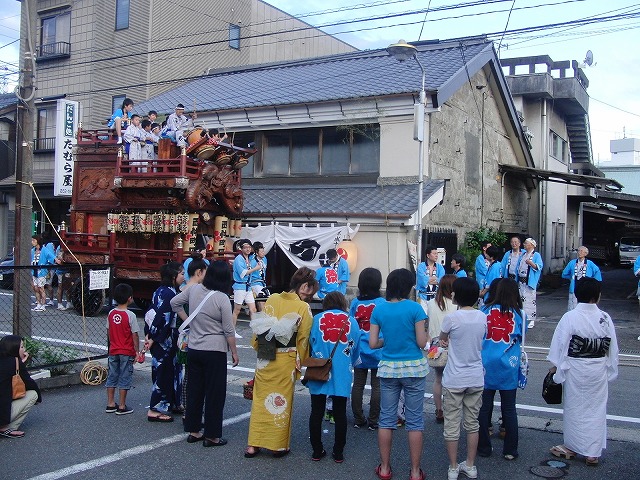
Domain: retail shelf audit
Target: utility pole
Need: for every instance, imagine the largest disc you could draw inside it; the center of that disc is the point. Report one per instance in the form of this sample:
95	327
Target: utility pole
24	172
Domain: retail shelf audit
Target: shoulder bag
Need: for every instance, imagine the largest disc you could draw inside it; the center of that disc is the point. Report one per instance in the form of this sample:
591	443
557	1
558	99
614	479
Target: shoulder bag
319	368
551	391
183	333
523	372
18	388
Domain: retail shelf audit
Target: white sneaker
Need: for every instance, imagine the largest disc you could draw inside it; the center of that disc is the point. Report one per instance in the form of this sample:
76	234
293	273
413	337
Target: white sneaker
470	472
452	473
50	304
531	324
238	335
62	307
119	141
38	308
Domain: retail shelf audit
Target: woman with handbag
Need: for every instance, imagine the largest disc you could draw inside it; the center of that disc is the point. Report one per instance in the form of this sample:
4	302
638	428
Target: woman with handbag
15	401
278	365
403	368
211	335
334	337
437	308
584	354
161	338
501	351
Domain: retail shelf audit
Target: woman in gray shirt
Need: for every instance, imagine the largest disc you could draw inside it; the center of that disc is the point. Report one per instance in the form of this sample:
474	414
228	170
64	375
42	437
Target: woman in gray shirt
211	335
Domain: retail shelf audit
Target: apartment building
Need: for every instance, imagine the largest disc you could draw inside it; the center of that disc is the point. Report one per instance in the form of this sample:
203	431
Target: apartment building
99	52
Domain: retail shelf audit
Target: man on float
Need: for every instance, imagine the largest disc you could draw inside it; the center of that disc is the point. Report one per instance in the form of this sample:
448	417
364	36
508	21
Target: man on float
177	123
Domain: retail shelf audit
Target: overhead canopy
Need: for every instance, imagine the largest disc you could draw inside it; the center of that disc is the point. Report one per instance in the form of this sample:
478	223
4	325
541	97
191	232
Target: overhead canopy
563	177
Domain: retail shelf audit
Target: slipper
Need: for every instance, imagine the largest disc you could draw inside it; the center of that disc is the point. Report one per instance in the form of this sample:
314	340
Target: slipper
591	461
248	454
421	477
8	433
382	476
210	443
562	452
160	418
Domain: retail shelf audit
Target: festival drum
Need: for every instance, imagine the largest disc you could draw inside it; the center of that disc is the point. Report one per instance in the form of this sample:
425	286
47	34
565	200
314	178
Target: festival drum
224	154
197	140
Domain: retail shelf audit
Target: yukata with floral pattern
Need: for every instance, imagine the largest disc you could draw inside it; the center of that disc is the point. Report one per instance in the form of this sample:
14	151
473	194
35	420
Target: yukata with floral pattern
329	327
166	372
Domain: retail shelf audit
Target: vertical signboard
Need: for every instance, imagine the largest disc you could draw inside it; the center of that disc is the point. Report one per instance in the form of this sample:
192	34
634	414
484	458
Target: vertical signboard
66	127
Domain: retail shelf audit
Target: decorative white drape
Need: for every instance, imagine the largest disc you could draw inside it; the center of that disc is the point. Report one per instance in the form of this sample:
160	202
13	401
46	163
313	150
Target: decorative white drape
303	245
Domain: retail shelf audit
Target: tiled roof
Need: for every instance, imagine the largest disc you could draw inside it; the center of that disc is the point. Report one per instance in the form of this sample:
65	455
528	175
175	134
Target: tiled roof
40	177
7	99
344	76
398	201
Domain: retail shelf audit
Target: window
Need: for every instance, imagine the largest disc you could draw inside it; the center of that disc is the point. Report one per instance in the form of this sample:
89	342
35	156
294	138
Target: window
234	36
353	149
558	232
116	102
46	133
55	37
122	14
558	147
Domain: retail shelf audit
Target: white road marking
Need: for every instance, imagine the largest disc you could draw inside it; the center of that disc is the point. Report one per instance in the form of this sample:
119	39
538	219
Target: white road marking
130	452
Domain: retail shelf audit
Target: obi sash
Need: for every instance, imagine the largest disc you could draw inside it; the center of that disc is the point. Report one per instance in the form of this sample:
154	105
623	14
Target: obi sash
580	347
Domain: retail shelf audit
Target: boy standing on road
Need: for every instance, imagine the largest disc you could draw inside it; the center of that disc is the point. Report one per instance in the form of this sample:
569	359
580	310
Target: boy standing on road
463	332
122	330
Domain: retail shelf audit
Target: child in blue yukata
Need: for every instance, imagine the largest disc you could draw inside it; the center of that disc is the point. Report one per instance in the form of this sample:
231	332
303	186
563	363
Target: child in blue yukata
361	309
120	120
463	332
327	278
341	266
332	328
493	271
457	264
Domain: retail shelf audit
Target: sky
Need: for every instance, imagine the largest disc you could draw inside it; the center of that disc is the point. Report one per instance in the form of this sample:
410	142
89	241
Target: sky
614	108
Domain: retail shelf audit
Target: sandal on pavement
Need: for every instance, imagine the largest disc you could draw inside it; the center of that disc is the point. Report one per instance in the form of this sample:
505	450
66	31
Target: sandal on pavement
591	461
9	433
383	476
160	418
248	454
562	452
281	453
422	476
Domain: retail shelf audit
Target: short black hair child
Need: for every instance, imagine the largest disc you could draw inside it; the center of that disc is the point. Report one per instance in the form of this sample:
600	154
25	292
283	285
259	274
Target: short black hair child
369	283
122	293
588	290
399	284
145	123
465	292
459	259
493	252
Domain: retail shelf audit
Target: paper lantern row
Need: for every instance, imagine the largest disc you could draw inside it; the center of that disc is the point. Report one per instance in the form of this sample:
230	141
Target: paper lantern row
159	222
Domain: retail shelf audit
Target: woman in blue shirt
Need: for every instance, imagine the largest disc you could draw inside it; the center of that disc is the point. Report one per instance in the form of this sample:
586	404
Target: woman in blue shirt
403	368
501	361
331	326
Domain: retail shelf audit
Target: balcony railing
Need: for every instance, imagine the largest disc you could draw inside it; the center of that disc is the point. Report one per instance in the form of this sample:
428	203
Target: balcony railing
42	145
53	51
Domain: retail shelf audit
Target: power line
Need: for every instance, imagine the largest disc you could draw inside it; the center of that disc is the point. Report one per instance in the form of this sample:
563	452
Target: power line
617	108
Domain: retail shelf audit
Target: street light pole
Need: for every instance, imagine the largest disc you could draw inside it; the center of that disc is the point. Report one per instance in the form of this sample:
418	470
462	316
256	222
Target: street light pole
402	51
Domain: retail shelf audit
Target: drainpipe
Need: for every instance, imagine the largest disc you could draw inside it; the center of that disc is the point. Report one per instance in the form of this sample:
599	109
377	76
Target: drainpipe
544	191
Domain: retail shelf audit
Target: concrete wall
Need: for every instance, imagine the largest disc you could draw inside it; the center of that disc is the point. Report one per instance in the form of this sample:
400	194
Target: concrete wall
469	160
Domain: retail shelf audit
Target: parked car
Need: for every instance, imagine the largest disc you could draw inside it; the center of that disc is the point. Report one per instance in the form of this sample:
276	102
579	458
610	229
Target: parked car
6	272
629	248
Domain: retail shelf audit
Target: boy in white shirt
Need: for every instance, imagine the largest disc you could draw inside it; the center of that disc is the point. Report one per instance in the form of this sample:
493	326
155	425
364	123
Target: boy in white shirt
134	140
463	332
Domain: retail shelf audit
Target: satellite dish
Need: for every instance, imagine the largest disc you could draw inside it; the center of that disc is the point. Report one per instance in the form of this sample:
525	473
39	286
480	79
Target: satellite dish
588	59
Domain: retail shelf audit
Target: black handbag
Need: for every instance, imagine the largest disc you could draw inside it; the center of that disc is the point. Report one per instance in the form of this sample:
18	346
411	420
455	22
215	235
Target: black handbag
551	391
319	368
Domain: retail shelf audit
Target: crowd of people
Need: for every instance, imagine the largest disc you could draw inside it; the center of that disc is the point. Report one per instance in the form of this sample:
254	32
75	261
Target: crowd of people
477	327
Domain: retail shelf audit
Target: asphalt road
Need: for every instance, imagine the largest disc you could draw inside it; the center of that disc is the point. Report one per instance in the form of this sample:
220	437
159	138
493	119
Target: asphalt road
70	436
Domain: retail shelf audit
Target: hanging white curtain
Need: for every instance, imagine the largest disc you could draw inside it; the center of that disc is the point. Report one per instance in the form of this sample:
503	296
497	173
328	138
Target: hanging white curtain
302	244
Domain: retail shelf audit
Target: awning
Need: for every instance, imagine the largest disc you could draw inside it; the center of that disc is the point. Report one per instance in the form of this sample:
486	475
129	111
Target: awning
563	177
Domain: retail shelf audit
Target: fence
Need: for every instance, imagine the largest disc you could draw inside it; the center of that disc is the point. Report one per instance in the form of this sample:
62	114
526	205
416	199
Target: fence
56	334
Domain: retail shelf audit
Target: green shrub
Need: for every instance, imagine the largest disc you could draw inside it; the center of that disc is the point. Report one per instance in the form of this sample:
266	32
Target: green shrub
472	242
42	354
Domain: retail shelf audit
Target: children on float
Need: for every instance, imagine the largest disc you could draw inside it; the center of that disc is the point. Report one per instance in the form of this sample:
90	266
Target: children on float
134	138
361	309
327	278
146	141
333	326
462	333
120	118
124	344
177	123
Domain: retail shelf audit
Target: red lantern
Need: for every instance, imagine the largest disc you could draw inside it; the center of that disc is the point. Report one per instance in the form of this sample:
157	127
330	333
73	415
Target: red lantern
347	249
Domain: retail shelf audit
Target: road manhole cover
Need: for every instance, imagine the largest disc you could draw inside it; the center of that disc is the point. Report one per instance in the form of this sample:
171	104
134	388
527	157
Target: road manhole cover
547	472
